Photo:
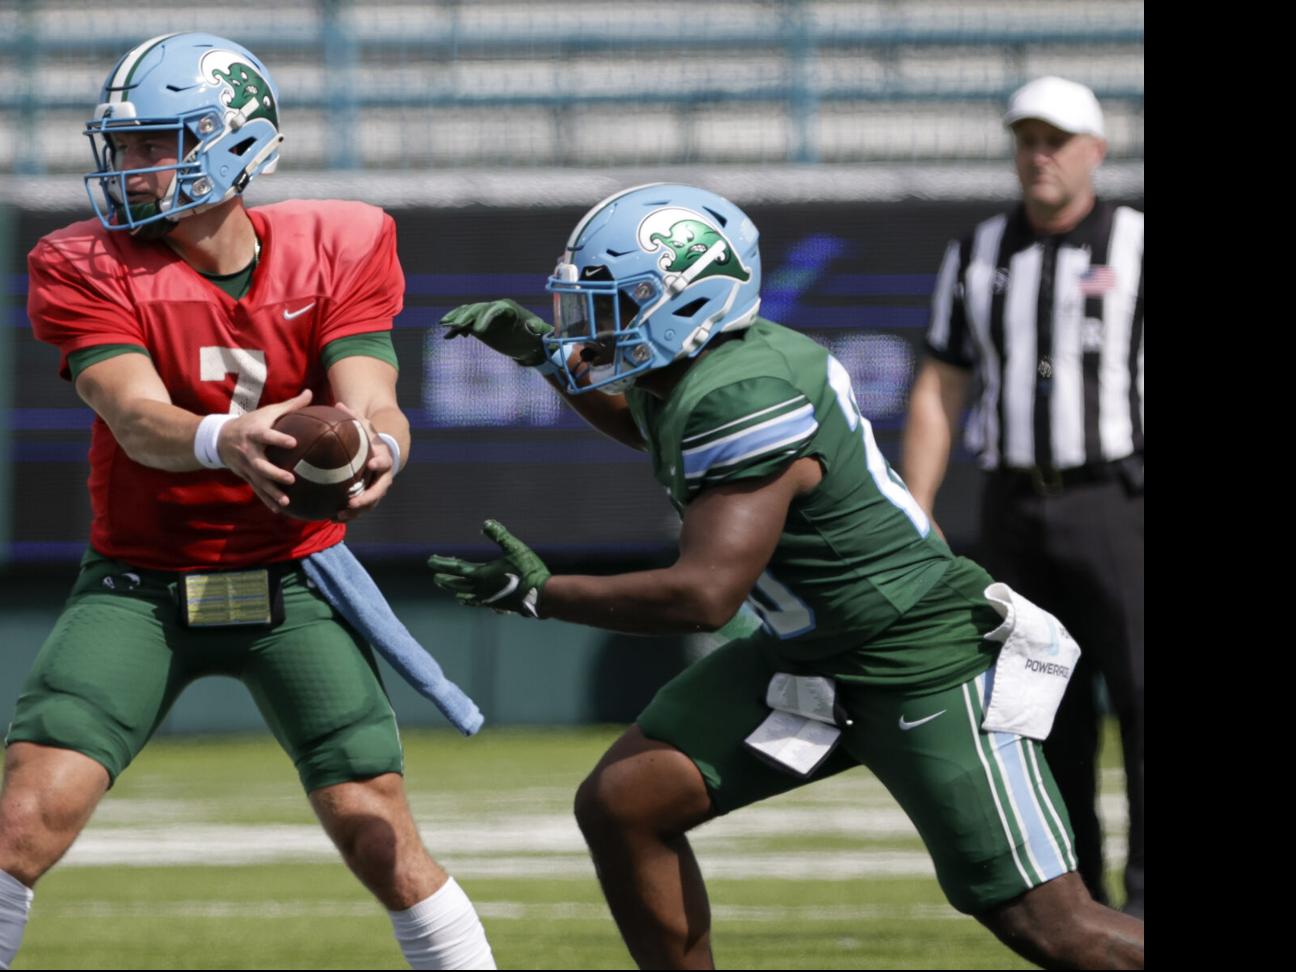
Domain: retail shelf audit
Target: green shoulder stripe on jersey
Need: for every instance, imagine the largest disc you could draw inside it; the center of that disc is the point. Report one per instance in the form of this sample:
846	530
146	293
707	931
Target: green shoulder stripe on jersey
375	344
79	361
735	430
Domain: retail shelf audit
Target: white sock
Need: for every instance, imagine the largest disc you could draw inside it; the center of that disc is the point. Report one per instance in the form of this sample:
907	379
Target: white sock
15	902
443	932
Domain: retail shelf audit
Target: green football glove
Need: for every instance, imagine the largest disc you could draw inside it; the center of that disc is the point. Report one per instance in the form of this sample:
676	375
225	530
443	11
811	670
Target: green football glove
512	583
503	326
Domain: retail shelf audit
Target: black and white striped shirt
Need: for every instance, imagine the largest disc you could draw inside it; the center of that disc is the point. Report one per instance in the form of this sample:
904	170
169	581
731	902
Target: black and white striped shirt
1054	326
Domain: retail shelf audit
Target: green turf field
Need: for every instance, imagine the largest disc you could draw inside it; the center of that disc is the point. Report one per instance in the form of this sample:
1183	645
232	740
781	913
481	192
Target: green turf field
206	856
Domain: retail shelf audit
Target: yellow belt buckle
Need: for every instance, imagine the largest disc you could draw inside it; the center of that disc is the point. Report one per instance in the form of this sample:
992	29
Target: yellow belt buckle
227	598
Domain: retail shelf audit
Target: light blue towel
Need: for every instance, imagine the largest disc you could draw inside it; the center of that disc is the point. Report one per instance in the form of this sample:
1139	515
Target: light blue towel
348	587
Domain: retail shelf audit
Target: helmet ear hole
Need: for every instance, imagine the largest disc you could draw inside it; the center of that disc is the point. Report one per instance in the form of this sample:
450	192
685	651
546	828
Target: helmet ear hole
691	308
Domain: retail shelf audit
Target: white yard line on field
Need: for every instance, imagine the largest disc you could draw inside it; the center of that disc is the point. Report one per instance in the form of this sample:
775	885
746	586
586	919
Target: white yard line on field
491	910
839	830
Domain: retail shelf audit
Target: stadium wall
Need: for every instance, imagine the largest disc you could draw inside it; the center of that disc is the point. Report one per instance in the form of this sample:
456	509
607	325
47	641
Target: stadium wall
492	440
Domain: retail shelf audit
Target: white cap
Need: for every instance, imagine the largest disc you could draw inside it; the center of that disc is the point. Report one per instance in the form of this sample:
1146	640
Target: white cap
1064	104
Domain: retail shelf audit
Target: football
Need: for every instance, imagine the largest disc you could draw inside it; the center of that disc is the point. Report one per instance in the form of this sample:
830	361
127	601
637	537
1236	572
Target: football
328	461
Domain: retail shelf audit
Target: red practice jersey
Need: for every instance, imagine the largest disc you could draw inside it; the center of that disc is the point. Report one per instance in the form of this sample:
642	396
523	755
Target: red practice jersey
327	270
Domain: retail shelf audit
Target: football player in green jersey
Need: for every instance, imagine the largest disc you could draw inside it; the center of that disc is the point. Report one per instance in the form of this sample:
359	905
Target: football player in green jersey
873	646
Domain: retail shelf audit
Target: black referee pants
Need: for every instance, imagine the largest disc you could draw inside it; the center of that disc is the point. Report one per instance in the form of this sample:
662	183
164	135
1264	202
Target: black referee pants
1080	555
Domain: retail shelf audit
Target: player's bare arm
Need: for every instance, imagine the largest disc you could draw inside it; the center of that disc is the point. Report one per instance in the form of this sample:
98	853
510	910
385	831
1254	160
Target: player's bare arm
512	330
728	536
610	414
934	407
129	395
366	387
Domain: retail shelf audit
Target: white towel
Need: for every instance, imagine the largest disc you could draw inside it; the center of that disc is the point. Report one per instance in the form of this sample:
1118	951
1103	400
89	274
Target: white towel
1035	664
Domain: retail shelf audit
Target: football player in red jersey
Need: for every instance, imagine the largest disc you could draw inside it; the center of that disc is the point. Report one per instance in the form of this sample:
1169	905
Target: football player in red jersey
190	324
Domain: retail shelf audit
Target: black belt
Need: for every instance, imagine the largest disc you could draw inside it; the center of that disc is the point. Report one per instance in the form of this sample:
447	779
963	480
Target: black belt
277	571
129	577
1047	481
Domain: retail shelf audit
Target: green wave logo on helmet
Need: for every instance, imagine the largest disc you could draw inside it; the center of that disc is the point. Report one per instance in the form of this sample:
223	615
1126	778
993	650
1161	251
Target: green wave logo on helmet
247	92
688	240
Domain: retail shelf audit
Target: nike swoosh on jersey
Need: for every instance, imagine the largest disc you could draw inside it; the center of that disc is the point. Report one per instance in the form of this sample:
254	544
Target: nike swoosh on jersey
289	315
905	726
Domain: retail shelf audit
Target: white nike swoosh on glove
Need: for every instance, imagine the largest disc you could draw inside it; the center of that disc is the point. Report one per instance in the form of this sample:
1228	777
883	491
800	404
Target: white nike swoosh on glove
504	591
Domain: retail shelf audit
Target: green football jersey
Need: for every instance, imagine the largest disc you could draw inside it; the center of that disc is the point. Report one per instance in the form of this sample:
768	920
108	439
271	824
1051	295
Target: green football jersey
857	552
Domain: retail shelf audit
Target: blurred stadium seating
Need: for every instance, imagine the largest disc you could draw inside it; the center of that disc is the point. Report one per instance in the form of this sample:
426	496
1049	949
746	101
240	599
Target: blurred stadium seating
457	87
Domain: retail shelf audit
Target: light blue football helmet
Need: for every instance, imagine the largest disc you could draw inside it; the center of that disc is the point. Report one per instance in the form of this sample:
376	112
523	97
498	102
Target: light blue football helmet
217	98
650	275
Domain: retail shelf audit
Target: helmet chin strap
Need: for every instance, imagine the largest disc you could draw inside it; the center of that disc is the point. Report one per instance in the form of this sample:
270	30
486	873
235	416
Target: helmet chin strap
158	228
615	387
244	177
676	284
129	212
702	333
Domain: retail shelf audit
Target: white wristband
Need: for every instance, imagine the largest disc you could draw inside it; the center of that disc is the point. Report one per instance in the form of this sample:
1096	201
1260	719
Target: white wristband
395	451
205	439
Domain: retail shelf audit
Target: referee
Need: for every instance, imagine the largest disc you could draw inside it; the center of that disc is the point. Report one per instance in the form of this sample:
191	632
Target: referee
1043	306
